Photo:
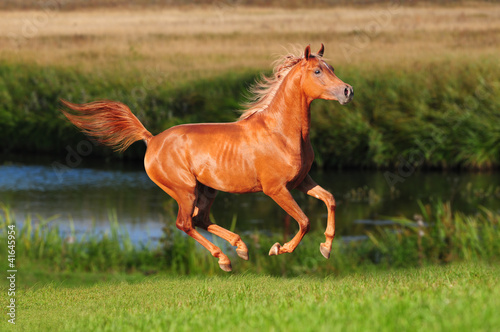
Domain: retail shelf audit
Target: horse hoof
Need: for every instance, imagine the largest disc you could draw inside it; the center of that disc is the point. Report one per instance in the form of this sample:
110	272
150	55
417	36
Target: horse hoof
226	267
242	253
275	249
324	251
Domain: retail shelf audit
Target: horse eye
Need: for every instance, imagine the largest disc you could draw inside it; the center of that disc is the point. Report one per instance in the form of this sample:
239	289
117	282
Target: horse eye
317	71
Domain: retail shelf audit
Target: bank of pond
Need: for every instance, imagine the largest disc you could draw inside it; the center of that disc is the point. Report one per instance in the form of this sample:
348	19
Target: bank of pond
434	114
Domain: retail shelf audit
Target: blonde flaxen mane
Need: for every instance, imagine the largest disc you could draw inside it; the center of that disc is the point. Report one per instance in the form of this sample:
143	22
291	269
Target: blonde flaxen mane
265	89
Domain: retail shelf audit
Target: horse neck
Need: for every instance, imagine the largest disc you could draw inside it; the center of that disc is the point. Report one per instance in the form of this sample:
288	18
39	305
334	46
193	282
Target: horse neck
289	111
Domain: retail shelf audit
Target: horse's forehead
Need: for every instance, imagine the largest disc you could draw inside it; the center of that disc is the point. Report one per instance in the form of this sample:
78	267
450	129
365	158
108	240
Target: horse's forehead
314	61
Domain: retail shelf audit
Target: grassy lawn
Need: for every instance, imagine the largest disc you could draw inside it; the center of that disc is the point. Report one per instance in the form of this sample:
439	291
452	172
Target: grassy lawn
457	297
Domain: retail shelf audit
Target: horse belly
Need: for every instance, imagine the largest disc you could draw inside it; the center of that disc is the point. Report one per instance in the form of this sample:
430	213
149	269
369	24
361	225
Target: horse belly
226	164
235	178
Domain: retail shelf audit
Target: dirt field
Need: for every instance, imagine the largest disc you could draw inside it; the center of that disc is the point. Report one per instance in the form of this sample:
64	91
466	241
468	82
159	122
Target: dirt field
228	37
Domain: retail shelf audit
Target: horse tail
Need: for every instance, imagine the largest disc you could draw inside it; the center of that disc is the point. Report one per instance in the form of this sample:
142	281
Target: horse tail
110	122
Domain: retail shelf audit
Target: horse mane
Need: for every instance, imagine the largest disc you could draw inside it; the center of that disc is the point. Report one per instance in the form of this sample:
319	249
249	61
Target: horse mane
265	87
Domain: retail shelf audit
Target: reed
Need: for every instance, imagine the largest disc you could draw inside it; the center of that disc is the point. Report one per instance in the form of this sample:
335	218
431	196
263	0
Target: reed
448	237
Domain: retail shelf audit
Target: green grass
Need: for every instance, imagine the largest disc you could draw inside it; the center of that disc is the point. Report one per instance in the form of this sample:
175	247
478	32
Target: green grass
458	297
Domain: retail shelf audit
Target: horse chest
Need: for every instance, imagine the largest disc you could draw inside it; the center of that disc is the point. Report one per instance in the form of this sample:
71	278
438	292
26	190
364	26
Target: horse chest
299	162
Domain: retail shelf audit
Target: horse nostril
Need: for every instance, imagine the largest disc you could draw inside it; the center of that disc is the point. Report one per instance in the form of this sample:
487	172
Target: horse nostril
346	92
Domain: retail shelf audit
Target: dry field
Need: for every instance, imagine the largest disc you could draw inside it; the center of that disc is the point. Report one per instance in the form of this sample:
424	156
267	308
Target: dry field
193	43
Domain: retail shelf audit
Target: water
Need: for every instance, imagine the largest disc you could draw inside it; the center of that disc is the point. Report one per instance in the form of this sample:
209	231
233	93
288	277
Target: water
86	194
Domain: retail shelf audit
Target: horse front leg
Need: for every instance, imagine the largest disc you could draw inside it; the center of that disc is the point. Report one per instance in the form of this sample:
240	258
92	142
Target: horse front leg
311	188
284	199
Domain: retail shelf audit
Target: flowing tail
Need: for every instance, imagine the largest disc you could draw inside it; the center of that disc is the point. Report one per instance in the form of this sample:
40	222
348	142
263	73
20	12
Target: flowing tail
110	122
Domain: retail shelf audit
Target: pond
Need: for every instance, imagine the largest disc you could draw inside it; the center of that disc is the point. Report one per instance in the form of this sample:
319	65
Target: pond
85	196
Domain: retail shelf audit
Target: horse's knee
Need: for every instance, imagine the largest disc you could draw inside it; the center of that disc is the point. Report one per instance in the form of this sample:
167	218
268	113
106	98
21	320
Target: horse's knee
330	201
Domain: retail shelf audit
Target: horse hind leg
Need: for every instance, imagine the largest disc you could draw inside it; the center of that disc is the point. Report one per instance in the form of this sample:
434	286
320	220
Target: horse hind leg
201	218
186	198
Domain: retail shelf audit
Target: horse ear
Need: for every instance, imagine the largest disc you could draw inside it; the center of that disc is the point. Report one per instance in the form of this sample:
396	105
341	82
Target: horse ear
307	52
321	50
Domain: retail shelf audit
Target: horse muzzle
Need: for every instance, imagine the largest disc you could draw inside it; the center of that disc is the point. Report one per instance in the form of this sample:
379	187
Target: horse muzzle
344	94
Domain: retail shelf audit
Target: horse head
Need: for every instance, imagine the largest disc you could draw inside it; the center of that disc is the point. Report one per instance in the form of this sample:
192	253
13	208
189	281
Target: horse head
319	80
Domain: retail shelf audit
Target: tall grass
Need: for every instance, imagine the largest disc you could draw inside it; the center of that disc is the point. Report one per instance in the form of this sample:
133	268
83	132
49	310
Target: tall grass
430	114
449	236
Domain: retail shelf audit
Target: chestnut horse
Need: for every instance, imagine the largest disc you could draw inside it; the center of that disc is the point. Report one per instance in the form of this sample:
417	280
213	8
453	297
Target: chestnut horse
267	149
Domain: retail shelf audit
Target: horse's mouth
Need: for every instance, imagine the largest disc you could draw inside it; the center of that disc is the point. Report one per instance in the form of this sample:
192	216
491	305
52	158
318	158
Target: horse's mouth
344	102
